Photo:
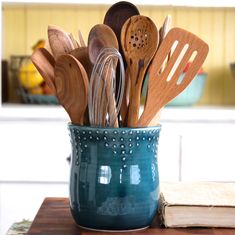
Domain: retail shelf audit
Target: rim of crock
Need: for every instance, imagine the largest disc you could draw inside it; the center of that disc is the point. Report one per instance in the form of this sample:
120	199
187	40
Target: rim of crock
72	125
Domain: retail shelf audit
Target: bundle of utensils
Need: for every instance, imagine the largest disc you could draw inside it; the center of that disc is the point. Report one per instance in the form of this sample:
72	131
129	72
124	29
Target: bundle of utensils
100	84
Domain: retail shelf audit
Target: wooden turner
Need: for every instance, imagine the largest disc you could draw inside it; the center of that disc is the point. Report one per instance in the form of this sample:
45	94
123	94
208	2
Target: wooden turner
71	87
161	88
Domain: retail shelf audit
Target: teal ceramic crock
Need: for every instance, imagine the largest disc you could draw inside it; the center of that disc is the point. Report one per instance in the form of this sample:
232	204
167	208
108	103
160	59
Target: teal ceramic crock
114	181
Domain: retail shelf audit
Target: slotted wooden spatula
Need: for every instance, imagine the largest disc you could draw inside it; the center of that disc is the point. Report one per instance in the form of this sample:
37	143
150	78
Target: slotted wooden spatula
163	87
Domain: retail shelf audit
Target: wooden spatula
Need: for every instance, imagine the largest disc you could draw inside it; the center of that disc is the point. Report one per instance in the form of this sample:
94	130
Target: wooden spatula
139	39
161	88
71	84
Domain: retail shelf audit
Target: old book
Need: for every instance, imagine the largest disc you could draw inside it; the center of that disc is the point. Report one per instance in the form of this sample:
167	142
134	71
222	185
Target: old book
194	204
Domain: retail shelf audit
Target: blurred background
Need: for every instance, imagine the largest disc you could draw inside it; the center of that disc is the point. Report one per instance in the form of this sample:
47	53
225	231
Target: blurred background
198	130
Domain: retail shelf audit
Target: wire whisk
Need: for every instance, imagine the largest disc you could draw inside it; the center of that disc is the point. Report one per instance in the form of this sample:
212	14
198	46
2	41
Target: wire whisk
104	100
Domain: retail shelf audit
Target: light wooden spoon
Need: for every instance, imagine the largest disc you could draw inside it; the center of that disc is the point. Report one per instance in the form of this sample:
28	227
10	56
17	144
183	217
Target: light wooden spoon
165	86
44	62
139	38
59	41
71	83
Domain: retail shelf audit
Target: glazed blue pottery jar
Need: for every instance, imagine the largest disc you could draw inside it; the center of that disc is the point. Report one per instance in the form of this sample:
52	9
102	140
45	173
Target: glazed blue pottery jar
114	182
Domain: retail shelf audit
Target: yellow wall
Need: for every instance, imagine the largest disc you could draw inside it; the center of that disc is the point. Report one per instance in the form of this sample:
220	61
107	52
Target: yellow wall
23	25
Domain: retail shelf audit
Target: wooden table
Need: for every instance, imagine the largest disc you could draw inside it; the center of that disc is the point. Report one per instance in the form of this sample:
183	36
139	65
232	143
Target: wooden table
54	218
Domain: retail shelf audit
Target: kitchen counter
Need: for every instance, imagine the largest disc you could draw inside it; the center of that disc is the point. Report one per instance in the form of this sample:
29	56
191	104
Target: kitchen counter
13	112
45	223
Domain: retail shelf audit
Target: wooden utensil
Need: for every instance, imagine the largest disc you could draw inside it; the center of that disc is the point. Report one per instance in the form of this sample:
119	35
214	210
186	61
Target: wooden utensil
139	38
165	28
82	55
117	15
161	87
71	84
102	36
44	62
81	39
74	41
59	40
115	18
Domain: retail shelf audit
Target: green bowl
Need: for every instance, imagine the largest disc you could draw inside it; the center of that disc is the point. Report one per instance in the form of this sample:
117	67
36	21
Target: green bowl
190	96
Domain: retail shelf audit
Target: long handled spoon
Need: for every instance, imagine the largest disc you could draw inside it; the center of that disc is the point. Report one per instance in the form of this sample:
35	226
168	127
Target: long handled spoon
139	38
165	86
59	41
115	18
102	36
44	62
71	87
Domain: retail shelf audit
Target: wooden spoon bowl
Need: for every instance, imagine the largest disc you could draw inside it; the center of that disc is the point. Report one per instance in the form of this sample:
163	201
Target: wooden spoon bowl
71	84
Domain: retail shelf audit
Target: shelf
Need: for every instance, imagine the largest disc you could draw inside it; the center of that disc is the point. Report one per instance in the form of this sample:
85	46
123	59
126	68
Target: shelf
192	3
169	114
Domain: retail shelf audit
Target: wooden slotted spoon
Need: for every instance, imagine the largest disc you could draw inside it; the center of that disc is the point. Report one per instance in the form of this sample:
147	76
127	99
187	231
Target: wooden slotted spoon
44	62
161	89
139	38
71	87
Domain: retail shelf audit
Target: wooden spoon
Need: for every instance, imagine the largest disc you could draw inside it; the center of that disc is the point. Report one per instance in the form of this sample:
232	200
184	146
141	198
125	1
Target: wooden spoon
102	36
44	62
117	15
71	87
115	18
161	88
59	41
82	55
139	38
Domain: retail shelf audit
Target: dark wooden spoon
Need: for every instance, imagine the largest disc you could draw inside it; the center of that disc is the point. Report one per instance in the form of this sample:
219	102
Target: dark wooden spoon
117	15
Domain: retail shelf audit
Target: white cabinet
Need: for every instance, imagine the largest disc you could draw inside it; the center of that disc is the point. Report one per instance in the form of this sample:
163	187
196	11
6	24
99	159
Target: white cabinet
34	151
208	152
